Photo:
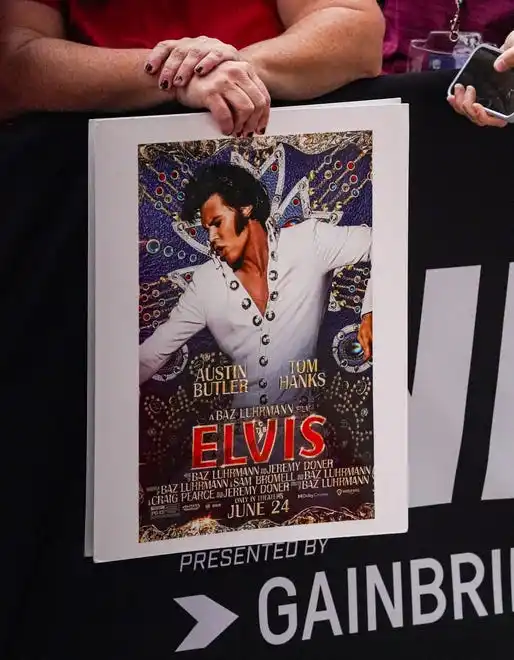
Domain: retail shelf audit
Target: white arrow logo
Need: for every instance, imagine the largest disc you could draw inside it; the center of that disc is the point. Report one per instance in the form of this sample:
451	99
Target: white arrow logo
211	620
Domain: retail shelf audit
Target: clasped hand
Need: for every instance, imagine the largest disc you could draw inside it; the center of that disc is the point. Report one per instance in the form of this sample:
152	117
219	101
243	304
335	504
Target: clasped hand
206	73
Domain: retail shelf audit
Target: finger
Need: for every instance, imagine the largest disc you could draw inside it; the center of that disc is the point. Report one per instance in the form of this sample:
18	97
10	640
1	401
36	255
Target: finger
459	91
221	113
453	102
186	69
469	101
505	61
482	118
262	122
242	107
171	66
213	58
361	336
458	98
259	101
369	348
158	56
477	117
487	119
252	121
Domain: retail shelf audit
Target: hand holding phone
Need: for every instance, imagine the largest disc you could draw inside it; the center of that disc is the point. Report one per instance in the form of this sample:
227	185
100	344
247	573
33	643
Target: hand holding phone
483	90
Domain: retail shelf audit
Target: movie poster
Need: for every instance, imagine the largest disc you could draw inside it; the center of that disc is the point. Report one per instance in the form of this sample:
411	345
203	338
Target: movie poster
256	334
248	330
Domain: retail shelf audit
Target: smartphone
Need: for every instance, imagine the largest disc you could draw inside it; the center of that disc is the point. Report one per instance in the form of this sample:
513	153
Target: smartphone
495	91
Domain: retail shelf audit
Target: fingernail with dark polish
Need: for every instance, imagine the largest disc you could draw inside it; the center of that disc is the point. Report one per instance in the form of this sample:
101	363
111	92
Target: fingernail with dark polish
250	135
165	84
262	130
199	69
148	68
239	134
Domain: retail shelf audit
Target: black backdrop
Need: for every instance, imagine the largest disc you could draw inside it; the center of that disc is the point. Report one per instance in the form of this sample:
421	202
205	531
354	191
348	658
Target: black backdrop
58	604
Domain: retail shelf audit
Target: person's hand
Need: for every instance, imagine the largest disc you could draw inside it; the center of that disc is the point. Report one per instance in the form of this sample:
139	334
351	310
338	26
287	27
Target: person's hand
365	335
234	94
506	59
464	102
464	99
176	61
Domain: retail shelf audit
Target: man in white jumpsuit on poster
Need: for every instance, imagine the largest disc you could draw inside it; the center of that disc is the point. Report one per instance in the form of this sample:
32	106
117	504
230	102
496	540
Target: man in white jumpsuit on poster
263	294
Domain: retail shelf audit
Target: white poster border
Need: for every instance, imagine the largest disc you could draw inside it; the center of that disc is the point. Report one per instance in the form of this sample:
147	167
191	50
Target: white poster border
113	460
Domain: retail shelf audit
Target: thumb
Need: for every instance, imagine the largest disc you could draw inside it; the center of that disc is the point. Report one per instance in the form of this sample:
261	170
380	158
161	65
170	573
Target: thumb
509	41
505	61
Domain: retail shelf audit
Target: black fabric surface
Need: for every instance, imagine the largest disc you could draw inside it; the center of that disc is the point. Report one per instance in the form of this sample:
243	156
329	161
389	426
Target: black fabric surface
55	603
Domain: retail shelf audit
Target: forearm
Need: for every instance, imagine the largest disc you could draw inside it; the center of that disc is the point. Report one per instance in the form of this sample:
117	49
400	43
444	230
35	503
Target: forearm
155	351
57	75
325	50
183	323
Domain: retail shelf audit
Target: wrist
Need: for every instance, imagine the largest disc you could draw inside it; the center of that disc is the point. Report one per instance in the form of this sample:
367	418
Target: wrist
254	56
149	84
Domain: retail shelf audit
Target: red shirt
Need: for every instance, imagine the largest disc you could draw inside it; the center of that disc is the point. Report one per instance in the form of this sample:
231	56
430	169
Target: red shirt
414	19
143	23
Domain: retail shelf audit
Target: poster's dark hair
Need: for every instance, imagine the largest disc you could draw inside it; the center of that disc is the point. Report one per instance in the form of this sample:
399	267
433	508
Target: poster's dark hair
235	185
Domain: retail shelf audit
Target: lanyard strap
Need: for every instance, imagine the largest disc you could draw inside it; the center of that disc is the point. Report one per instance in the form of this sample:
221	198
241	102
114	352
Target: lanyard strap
455	22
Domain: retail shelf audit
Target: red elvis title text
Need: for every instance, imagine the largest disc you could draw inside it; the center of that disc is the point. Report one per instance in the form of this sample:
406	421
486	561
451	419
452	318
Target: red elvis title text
312	446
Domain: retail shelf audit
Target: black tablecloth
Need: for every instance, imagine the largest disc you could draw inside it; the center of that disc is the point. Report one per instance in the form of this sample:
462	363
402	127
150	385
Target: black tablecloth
59	605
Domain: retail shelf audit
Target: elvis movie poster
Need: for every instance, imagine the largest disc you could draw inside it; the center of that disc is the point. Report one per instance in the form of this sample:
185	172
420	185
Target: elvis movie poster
254	407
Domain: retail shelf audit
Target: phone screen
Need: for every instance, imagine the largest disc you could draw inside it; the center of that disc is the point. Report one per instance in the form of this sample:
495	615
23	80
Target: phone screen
495	91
